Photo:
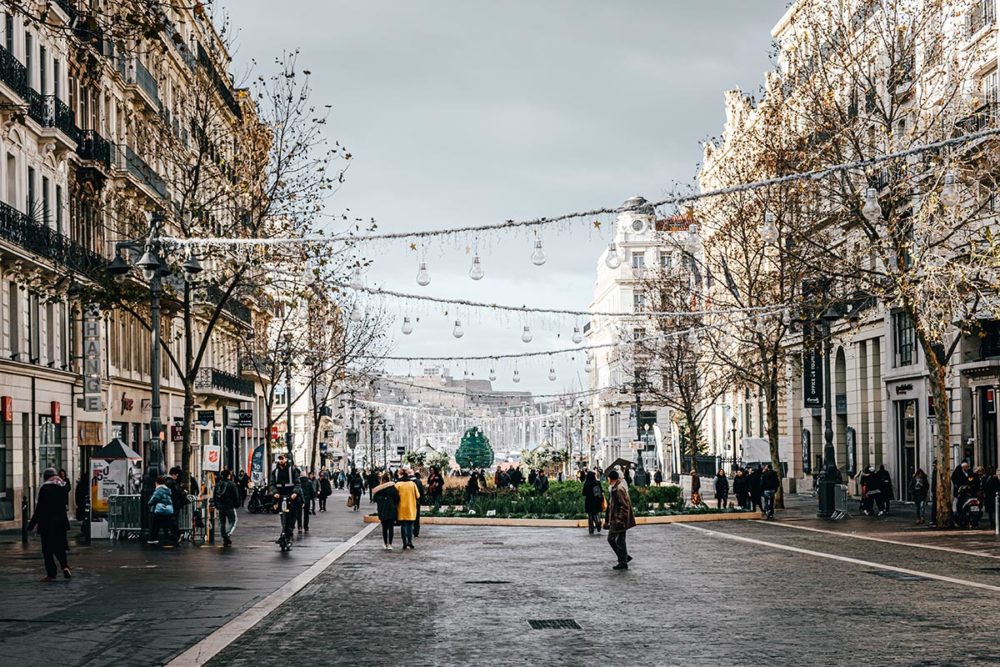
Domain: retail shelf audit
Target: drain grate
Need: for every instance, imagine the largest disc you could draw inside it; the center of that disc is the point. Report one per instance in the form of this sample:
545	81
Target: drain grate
494	544
898	576
554	624
216	588
487	581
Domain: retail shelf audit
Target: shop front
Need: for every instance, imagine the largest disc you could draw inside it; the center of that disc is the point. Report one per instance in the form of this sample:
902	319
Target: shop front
911	417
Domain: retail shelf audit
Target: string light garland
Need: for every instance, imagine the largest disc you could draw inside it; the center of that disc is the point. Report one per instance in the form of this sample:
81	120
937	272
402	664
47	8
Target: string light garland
378	291
576	215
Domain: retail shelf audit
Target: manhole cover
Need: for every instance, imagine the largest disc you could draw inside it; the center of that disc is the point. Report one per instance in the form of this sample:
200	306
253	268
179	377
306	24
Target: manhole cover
898	576
554	624
216	588
494	544
487	581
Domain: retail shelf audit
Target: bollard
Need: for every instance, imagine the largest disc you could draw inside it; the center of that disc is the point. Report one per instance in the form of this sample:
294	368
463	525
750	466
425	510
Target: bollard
996	515
211	522
24	519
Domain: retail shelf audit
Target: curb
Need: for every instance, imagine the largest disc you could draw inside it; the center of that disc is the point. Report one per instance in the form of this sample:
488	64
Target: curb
573	523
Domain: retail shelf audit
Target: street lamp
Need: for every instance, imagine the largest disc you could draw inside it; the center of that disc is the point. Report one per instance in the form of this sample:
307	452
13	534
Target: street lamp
638	386
153	270
733	420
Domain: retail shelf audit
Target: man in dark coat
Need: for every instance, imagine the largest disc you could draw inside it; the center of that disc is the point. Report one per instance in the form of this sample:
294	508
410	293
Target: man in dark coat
884	483
179	499
52	523
415	478
754	483
619	518
960	477
226	499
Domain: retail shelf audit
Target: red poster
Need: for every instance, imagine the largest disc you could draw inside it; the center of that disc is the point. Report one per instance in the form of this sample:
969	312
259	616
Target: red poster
7	409
55	407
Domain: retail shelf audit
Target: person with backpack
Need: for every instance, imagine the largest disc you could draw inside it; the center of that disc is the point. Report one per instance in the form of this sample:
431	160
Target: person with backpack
308	493
356	487
226	499
161	508
593	501
179	499
325	488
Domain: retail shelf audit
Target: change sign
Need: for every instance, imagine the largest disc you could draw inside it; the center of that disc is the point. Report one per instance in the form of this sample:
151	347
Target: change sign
92	359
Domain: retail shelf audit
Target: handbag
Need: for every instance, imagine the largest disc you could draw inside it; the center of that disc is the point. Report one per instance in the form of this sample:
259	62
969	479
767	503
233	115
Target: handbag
350	501
604	505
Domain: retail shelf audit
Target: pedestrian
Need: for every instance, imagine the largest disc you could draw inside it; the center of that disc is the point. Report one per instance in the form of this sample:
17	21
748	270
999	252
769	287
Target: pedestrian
658	477
325	489
226	498
721	490
695	489
414	477
371	482
741	487
628	476
314	483
593	501
66	485
82	491
472	488
243	484
306	495
918	493
769	485
883	481
960	476
409	497
52	523
541	483
355	487
532	476
179	499
435	486
161	508
991	489
619	518
754	483
387	503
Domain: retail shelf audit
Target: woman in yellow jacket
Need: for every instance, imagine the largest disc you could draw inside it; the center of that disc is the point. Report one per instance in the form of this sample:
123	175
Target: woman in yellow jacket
406	513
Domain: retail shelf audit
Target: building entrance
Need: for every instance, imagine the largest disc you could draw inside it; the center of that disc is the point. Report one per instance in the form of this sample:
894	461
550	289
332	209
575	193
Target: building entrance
908	447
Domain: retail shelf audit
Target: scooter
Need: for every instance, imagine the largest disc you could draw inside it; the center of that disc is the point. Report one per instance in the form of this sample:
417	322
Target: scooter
968	509
260	501
285	539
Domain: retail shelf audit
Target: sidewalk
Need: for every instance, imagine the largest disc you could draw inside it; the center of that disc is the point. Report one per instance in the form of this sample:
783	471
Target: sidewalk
132	604
900	525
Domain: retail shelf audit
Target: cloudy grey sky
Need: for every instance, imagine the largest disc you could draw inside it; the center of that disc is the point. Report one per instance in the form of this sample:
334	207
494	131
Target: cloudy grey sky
466	112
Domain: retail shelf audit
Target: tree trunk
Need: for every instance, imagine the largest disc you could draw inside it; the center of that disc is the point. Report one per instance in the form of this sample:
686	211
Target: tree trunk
939	393
771	401
315	444
188	427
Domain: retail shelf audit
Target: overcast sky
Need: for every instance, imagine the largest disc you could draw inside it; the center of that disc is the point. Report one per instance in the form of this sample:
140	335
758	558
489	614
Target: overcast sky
464	112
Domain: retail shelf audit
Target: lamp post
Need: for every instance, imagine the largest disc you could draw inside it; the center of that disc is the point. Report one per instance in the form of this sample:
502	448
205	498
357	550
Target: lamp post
386	429
637	386
286	361
153	268
352	433
733	420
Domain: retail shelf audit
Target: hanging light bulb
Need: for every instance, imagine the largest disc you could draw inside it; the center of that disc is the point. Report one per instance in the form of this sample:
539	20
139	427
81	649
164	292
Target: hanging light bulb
693	338
444	381
407	326
423	275
693	239
517	377
457	332
538	256
577	336
476	272
949	192
871	209
552	374
356	278
356	315
769	232
612	259
526	336
493	375
587	368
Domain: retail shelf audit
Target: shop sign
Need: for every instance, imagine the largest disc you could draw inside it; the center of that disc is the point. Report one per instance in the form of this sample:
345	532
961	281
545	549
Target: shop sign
806	451
213	458
55	411
812	379
239	418
92	359
6	409
89	434
206	416
902	389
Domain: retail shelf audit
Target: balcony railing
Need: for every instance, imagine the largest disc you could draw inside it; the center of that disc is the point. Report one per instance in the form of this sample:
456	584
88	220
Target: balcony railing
93	146
13	73
232	306
221	86
980	119
214	379
68	6
146	82
136	166
982	13
50	111
19	229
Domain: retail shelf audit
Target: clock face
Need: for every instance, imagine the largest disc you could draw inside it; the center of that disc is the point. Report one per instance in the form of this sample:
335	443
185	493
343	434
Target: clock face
638	225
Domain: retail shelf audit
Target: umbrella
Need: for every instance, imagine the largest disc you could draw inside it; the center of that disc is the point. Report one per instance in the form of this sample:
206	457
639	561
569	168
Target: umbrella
116	449
625	464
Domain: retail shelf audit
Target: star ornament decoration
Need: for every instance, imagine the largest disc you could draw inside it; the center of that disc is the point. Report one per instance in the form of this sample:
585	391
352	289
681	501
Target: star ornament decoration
597	224
413	246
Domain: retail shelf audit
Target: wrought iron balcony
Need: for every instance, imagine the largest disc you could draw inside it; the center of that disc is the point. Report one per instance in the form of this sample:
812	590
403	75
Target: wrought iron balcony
93	146
982	118
13	73
232	306
213	380
221	85
145	81
19	229
138	168
68	6
50	111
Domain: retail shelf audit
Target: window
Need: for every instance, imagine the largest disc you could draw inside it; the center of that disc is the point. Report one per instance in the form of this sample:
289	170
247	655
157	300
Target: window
56	77
34	328
8	32
14	323
29	46
638	301
666	260
50	334
30	201
638	260
43	82
59	209
49	443
45	200
638	334
6	462
903	338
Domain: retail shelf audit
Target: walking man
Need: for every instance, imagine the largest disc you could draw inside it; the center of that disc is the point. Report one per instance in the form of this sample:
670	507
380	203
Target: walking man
52	523
619	518
226	499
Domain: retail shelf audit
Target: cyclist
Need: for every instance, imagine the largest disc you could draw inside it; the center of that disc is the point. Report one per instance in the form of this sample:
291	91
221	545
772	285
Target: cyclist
284	486
769	484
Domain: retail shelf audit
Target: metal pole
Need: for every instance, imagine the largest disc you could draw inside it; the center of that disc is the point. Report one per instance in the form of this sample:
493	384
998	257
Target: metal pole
154	457
288	400
830	476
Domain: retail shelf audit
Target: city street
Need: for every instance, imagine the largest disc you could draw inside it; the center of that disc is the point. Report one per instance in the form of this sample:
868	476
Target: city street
715	593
